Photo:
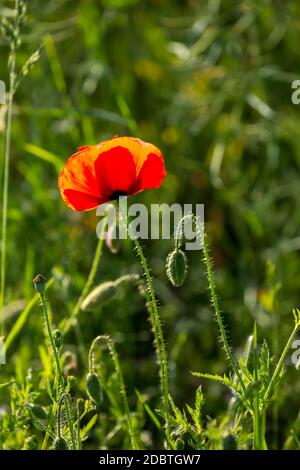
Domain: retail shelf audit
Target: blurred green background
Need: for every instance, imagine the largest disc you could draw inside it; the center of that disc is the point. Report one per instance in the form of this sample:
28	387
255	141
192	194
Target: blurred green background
209	82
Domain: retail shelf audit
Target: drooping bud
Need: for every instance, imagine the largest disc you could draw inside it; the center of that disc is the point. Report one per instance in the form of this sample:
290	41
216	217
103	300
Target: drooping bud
39	283
229	442
60	444
99	296
80	406
94	388
58	338
38	411
177	267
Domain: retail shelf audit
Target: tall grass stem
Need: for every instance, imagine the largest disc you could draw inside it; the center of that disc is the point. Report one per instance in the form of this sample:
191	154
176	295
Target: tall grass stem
12	77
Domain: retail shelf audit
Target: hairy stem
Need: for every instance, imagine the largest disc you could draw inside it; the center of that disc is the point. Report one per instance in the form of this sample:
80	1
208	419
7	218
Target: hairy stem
156	324
59	375
53	347
258	415
214	299
59	415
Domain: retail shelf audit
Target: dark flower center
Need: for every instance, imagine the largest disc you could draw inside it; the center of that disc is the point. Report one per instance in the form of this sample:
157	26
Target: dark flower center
116	194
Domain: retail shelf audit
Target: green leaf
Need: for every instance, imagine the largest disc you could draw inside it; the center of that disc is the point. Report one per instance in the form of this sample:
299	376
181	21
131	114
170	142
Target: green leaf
85	430
44	155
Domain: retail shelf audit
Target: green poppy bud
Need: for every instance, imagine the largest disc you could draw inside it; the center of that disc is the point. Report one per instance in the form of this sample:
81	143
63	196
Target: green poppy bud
58	338
94	388
60	444
177	267
38	411
80	406
229	442
100	296
39	283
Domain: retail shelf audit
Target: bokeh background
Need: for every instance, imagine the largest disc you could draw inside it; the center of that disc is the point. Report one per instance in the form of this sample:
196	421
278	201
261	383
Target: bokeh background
209	82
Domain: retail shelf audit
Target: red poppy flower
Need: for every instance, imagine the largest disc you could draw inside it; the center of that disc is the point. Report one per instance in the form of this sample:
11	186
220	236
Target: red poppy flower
118	167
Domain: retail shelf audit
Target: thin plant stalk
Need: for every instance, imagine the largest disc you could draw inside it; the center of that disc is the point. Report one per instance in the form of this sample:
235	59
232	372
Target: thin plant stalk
12	77
59	375
11	31
218	315
53	347
155	322
66	398
59	413
115	358
258	414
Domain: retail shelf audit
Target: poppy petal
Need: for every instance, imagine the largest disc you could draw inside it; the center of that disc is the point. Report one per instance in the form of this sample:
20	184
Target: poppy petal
137	147
151	174
80	201
79	175
115	170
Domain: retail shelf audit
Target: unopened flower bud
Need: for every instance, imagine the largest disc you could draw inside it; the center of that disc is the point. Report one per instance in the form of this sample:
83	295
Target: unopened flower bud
229	442
38	411
80	406
60	444
94	388
177	267
102	294
39	283
58	339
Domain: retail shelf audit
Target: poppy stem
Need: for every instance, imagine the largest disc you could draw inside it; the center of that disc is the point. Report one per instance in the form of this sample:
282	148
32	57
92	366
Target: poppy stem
53	347
214	300
155	322
60	379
